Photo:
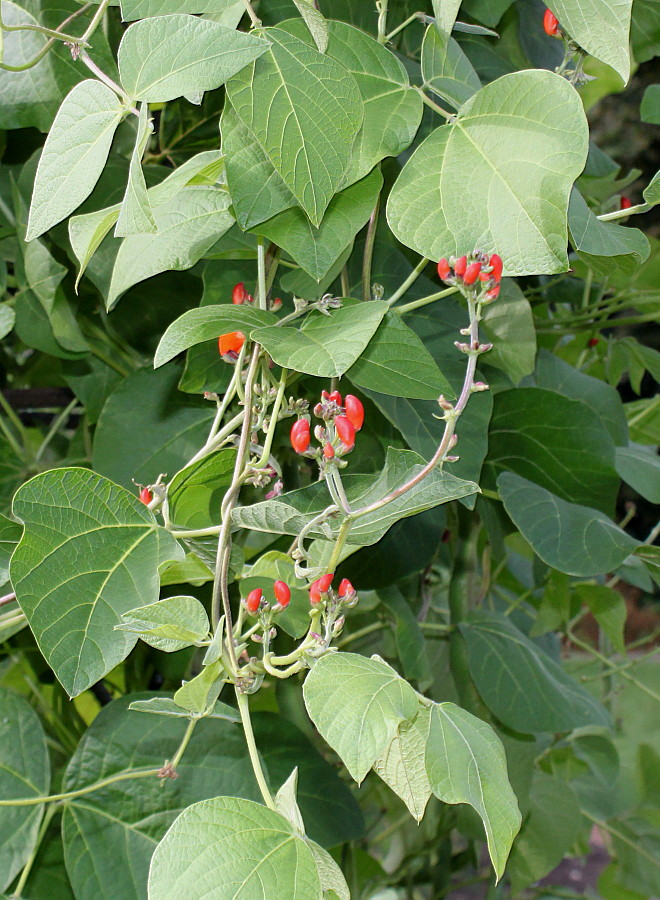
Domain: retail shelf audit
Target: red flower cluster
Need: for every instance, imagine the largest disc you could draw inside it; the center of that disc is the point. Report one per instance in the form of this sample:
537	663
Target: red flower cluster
474	269
343	419
230	344
319	590
254	601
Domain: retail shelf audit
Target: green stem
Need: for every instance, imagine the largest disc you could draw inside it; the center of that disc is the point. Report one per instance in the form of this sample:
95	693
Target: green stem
176	759
424	301
30	64
108	360
70	795
244	710
100	74
53	33
623	213
94	24
381	6
608	662
400	27
256	21
361	632
369	251
55	427
410	280
274	417
339	543
27	868
16	422
586	293
433	105
635	845
261	273
196	533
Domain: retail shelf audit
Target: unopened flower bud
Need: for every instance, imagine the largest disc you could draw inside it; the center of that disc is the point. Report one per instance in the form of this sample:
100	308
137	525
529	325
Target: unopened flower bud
443	403
338	625
452	458
453	440
464	348
480	386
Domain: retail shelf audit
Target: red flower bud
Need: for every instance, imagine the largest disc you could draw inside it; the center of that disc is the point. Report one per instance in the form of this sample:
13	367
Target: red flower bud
325	395
335	396
329	451
282	593
496	265
472	273
346	431
324	582
239	295
300	436
592	342
253	600
444	269
493	293
231	342
550	23
626	203
354	411
314	593
460	266
276	304
345	588
146	496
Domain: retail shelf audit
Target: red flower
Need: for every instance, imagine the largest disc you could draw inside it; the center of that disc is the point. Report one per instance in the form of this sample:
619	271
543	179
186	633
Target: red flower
231	342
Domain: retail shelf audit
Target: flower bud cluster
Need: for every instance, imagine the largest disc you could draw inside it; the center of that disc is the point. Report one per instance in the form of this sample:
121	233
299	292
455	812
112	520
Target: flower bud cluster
331	603
477	275
342	419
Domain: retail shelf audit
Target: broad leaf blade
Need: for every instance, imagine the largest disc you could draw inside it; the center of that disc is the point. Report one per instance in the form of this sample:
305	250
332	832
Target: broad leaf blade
221	846
574	539
604	246
325	345
513	203
75	521
206	323
74	154
24	772
402	766
135	215
601	27
447	70
154	68
303	108
465	763
357	704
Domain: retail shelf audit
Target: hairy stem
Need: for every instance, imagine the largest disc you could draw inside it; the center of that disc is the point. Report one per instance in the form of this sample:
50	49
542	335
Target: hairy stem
244	710
369	252
410	280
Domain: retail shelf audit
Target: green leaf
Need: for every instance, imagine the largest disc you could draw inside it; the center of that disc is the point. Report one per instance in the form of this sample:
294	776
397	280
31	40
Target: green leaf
357	704
574	539
509	326
645	30
188	226
227	844
148	427
608	608
318	27
333	883
92	381
488	11
24	772
409	638
396	362
651	192
206	323
86	232
135	216
445	12
601	27
403	765
290	513
644	420
153	68
503	198
392	110
604	246
257	190
553	374
465	763
195	493
640	468
7	319
303	109
169	624
90	552
330	811
163	706
143	9
200	693
10	535
325	345
558	443
317	249
74	154
276	566
446	69
110	834
523	686
548	832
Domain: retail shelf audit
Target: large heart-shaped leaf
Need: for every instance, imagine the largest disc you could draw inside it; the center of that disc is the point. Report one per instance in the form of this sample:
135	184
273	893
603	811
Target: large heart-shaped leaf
166	57
74	154
572	538
304	109
325	345
465	763
110	835
90	552
601	27
290	513
515	149
228	847
357	704
24	772
523	686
